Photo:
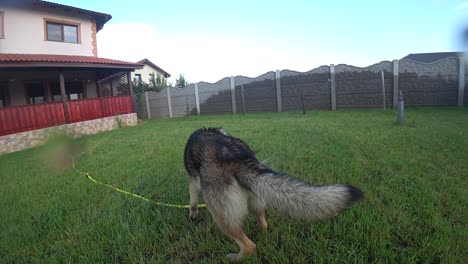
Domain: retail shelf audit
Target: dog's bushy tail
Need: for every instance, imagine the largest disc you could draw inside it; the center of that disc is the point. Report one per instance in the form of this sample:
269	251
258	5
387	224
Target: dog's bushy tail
301	200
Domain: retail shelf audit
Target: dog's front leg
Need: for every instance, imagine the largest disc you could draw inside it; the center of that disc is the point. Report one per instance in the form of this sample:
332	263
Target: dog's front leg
194	189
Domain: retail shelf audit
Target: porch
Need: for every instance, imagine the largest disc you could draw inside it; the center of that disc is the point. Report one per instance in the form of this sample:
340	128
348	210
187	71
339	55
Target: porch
38	96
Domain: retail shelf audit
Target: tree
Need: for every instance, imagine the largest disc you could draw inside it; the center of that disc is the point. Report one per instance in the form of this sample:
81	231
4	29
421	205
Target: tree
159	82
181	82
139	87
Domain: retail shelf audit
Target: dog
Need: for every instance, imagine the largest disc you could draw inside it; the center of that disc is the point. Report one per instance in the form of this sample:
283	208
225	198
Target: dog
233	182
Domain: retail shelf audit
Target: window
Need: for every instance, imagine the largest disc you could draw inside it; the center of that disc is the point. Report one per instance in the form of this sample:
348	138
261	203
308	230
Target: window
35	93
62	32
2	24
137	78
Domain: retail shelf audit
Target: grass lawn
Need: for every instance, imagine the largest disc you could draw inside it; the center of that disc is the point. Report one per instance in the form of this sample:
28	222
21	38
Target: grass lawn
414	178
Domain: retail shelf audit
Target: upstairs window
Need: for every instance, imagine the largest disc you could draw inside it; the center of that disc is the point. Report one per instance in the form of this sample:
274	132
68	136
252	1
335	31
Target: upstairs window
62	32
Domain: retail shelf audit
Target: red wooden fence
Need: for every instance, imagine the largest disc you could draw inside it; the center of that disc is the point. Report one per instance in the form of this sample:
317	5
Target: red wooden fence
29	117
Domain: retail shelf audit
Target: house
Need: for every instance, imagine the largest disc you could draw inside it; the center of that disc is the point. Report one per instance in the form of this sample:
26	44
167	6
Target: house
50	72
431	57
148	71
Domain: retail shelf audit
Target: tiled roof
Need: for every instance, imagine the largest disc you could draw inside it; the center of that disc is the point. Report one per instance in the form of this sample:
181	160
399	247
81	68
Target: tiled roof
45	60
146	61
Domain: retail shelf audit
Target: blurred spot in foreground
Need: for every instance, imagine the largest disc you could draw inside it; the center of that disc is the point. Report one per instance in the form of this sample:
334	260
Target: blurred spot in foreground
58	150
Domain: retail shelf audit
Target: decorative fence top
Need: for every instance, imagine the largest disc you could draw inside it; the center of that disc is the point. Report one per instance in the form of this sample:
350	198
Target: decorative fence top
437	83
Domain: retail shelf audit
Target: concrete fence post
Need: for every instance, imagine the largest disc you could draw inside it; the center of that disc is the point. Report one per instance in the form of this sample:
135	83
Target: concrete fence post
197	99
278	91
396	73
461	80
169	102
233	96
333	87
383	91
147	105
243	99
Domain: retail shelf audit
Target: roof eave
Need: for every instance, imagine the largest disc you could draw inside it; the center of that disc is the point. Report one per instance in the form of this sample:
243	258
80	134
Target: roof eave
67	65
101	18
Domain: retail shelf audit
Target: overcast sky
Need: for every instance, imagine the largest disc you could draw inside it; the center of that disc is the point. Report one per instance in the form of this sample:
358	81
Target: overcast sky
208	40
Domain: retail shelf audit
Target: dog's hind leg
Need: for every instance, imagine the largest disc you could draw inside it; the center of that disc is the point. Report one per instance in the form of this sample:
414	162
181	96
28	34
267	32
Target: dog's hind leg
232	228
247	247
229	207
261	218
194	189
258	208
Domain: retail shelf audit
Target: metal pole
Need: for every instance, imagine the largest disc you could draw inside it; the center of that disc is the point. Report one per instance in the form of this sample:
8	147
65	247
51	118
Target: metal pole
401	109
383	92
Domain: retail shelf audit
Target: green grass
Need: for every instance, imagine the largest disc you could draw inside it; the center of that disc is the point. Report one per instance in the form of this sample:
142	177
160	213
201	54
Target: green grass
414	178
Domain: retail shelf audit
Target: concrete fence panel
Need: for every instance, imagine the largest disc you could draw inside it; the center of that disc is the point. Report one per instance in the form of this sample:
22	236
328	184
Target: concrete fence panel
429	84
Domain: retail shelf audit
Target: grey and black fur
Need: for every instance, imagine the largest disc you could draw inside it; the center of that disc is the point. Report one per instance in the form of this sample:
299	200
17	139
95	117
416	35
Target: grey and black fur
233	182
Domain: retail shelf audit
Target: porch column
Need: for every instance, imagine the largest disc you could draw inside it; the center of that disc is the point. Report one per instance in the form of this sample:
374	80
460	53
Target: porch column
129	77
48	91
64	96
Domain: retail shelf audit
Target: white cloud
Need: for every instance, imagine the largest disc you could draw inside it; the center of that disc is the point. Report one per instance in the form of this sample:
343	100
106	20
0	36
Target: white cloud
462	6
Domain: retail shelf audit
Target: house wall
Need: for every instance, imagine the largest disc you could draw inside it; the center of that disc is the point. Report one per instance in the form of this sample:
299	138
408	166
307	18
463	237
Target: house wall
16	81
145	73
25	32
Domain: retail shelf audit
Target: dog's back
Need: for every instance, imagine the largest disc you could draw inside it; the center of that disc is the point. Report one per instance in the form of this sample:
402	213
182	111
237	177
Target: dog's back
232	181
213	148
220	159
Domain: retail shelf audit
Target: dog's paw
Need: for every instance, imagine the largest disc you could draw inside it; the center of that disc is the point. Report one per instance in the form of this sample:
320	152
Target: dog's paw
193	214
234	257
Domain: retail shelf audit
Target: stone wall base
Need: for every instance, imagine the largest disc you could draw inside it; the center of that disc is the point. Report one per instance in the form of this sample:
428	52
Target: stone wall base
33	138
